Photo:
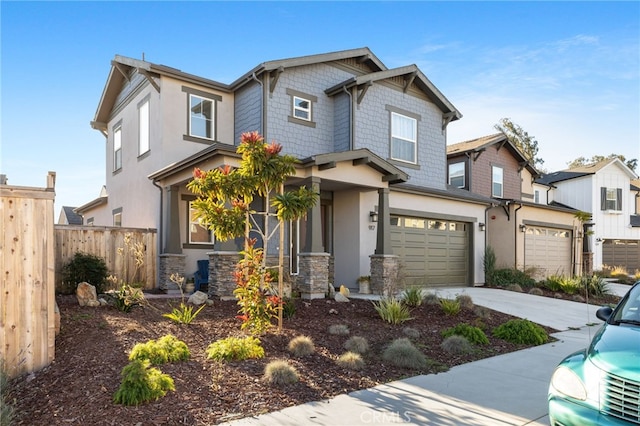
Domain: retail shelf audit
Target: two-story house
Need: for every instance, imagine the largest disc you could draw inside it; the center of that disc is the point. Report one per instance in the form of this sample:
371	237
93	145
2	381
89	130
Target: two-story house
371	140
525	230
609	191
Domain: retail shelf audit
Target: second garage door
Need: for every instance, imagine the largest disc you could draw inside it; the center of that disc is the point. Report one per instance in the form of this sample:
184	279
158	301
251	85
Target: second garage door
548	250
432	252
625	253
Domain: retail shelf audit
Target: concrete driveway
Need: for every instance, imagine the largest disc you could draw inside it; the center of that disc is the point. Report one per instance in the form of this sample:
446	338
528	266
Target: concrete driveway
510	389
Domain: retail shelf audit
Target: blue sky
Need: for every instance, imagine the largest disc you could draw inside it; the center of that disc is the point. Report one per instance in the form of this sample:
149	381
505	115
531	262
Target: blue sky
567	72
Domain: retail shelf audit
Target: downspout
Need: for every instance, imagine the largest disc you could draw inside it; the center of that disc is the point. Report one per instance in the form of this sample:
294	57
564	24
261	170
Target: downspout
257	80
516	229
344	89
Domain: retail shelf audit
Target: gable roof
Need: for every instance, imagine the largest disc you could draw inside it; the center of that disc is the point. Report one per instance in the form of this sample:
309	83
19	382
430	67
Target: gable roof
411	74
586	170
72	218
481	144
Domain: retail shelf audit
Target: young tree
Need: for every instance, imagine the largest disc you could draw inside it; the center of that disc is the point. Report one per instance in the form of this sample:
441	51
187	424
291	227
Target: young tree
224	199
582	161
527	144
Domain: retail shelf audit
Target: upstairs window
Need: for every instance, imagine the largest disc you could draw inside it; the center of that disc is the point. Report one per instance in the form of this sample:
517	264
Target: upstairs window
404	131
201	117
611	199
536	196
117	216
302	108
117	148
456	175
143	127
496	182
198	232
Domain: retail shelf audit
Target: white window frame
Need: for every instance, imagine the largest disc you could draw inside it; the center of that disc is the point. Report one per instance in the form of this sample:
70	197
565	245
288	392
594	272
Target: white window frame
404	138
117	147
611	202
495	182
536	196
464	177
143	128
197	222
209	120
306	112
117	219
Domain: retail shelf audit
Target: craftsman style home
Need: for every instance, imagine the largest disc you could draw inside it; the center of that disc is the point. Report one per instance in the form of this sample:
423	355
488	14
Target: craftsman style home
371	140
526	231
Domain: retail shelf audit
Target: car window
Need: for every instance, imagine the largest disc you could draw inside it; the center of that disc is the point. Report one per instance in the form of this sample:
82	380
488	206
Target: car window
629	308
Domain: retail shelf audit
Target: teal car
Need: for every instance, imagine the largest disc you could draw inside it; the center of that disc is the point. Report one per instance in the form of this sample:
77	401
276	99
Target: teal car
601	384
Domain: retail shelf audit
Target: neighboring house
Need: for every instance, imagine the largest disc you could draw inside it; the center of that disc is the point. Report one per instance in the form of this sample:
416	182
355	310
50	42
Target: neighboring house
371	140
69	217
523	227
609	191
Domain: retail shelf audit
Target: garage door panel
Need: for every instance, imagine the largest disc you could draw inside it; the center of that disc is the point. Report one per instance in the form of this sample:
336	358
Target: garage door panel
548	251
432	252
625	253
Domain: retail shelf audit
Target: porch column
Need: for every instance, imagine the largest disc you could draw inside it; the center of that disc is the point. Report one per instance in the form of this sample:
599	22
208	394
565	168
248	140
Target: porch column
384	264
313	274
172	224
172	261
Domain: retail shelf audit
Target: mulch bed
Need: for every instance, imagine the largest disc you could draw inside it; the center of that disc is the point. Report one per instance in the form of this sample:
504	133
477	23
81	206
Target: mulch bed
94	343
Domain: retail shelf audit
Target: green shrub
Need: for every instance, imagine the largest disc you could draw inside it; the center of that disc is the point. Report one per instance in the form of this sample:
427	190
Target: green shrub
466	302
351	361
339	329
357	344
402	353
411	332
235	348
595	286
489	264
521	331
553	283
126	298
165	349
301	346
392	310
7	412
471	333
184	314
456	344
279	372
450	307
84	268
412	297
505	277
141	384
288	308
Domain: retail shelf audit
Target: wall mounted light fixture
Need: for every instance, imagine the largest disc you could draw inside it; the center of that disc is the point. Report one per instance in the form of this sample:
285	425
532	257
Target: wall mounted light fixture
523	228
481	226
373	216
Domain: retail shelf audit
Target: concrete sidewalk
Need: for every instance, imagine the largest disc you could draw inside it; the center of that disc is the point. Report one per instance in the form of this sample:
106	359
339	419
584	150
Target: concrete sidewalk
509	389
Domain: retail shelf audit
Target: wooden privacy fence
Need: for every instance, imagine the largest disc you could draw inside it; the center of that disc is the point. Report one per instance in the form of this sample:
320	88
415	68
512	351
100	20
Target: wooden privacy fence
105	242
27	299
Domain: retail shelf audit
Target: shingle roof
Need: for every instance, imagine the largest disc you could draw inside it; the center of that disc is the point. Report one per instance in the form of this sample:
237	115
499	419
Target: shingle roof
73	218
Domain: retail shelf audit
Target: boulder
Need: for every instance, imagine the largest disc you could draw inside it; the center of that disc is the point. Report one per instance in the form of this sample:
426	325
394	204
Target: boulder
339	297
86	294
345	291
198	298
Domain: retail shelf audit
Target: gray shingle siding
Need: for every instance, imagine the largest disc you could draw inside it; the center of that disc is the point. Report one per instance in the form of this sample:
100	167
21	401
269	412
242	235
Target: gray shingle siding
341	122
372	121
247	110
297	139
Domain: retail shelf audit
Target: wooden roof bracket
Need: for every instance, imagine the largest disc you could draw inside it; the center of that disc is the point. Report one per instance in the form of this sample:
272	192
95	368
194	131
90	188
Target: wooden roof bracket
364	91
501	144
477	153
446	119
408	81
149	78
327	166
122	71
361	161
363	58
274	76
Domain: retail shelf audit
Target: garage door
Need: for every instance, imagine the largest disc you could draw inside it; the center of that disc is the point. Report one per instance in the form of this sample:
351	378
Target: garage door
432	252
548	250
625	253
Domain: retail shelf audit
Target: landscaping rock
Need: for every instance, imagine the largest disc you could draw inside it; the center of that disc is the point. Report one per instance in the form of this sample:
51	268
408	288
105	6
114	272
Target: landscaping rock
86	294
339	297
198	298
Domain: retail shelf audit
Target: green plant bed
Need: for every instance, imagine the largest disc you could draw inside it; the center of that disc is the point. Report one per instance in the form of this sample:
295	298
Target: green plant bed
521	331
